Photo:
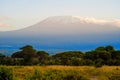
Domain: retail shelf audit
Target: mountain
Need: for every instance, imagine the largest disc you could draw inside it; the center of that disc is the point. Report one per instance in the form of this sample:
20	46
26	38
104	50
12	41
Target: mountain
63	32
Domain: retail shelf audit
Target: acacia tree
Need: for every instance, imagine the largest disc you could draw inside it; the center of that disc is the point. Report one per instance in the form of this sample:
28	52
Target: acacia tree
2	60
109	48
68	58
2	55
43	57
28	53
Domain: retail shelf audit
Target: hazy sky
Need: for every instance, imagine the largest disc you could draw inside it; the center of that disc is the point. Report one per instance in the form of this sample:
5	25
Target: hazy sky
22	13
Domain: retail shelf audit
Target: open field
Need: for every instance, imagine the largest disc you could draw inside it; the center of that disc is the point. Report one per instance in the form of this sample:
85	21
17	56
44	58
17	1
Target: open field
65	72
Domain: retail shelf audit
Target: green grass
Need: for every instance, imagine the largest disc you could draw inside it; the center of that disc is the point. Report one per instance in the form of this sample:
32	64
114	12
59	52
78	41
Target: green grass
63	72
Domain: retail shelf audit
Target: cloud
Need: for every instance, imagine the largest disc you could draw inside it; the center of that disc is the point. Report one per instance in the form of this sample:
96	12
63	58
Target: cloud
4	25
117	23
99	21
4	18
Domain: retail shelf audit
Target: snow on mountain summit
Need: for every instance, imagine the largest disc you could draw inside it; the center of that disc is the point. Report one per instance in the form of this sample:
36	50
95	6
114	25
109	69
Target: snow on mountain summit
62	19
79	20
73	20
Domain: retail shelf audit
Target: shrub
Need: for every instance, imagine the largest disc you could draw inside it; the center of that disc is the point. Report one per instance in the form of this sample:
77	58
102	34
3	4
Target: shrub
6	73
114	77
98	65
75	76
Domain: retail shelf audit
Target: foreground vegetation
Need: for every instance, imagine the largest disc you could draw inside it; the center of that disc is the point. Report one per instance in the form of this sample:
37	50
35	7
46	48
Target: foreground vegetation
30	64
59	73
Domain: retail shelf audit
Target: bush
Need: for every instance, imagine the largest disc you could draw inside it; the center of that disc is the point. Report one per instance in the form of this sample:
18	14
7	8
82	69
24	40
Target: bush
98	65
6	73
114	77
75	76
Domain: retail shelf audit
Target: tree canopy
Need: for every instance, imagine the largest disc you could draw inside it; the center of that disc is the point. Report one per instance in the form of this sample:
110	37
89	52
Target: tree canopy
27	55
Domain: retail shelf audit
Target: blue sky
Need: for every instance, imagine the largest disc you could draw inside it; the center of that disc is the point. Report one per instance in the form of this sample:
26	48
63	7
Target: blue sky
22	13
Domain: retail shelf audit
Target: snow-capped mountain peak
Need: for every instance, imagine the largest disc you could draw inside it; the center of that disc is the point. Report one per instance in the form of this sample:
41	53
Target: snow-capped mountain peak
62	19
76	20
71	20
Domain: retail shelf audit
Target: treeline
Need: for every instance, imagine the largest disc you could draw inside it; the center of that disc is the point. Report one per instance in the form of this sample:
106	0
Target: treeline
27	55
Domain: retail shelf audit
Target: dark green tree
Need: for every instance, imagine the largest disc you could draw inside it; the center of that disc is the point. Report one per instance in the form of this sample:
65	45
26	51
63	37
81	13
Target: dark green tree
116	57
2	55
65	58
28	54
43	57
2	58
109	48
101	48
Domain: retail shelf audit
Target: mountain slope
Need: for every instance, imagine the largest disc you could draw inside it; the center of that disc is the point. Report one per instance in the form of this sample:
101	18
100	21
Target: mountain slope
67	25
64	32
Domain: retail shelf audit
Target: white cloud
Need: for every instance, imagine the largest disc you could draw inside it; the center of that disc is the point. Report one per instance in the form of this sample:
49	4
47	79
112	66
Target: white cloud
117	23
7	27
98	21
4	18
4	26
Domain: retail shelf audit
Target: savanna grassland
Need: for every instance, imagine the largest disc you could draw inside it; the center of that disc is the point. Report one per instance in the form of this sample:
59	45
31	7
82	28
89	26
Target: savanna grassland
61	72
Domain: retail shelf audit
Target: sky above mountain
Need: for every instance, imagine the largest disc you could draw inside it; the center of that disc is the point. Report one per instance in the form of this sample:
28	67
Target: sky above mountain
16	14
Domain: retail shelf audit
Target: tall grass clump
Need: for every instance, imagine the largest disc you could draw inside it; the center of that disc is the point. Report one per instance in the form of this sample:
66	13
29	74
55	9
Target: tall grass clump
114	75
6	73
74	75
36	75
53	74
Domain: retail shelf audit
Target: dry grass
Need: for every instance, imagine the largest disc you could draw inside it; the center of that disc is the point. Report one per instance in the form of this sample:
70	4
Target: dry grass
102	73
